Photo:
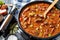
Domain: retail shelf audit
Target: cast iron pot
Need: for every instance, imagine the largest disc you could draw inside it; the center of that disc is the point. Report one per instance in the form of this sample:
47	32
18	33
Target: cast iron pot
24	30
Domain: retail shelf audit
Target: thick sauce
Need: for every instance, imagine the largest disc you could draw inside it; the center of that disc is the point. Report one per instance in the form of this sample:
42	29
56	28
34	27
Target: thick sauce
32	22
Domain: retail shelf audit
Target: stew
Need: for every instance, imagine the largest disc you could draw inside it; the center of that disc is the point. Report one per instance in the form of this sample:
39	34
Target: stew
32	22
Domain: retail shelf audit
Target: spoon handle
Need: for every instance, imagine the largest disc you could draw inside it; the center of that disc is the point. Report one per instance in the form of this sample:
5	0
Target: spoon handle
50	7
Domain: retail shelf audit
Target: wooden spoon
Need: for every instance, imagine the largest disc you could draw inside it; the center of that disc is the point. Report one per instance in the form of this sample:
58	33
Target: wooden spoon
49	8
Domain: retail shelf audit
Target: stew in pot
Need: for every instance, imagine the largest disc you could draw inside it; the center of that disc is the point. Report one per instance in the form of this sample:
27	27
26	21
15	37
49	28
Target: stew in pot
32	22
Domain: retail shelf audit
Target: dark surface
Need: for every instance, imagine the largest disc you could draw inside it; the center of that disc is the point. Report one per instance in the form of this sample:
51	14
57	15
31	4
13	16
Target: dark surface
58	5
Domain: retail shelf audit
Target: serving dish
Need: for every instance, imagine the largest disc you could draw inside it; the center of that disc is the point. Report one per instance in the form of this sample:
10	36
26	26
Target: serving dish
20	23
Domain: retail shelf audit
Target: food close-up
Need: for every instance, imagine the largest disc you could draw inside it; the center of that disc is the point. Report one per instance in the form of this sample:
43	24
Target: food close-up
29	19
3	10
33	23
